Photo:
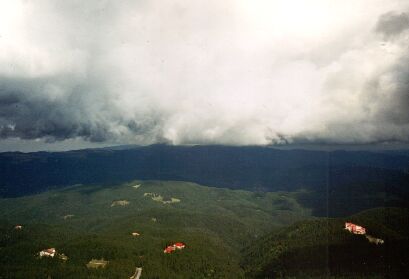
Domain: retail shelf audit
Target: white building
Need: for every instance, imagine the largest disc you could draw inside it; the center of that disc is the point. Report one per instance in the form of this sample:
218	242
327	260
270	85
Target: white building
50	252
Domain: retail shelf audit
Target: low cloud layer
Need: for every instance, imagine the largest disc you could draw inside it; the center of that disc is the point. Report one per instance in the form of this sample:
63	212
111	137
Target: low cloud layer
198	72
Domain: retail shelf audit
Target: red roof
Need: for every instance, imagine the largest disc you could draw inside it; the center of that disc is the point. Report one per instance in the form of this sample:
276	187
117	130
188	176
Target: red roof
179	245
173	247
169	249
356	229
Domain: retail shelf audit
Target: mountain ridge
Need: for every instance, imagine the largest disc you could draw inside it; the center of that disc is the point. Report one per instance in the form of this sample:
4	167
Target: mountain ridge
327	176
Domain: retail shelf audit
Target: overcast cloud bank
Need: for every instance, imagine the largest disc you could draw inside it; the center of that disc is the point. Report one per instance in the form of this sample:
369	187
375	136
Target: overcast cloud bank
200	72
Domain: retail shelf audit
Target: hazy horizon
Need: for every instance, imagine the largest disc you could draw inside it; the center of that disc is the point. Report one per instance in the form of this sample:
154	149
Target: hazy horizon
61	146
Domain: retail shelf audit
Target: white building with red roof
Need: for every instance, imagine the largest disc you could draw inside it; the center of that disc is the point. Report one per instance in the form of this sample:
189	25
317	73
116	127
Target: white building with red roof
169	249
355	229
179	245
50	252
172	248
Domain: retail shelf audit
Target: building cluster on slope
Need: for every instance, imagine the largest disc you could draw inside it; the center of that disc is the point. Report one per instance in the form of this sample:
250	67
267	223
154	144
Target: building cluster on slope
94	263
172	248
356	229
51	253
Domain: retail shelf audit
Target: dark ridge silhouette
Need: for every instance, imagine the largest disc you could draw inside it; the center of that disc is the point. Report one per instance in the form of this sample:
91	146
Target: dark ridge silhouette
357	179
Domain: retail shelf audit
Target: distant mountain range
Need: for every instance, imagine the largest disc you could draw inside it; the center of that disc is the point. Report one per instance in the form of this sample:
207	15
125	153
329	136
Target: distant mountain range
334	183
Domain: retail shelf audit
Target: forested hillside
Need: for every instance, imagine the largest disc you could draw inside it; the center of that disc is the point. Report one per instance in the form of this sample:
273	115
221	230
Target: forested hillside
94	222
228	234
324	249
336	183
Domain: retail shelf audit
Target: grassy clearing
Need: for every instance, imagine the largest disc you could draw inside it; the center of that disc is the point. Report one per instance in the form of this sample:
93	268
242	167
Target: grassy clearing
159	198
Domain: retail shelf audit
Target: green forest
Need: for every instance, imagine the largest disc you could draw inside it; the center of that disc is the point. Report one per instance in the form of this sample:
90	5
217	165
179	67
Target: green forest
228	234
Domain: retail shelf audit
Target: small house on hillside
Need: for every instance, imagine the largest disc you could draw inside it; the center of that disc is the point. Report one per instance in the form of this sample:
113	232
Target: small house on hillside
120	203
63	257
50	252
94	263
375	240
179	245
169	249
174	247
136	234
18	227
355	229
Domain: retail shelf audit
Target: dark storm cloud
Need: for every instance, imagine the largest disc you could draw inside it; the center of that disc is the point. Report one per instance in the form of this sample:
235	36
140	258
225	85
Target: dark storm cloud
373	106
395	109
383	115
392	23
389	89
257	72
29	111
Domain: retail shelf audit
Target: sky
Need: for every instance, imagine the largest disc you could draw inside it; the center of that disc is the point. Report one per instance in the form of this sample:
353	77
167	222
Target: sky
77	74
